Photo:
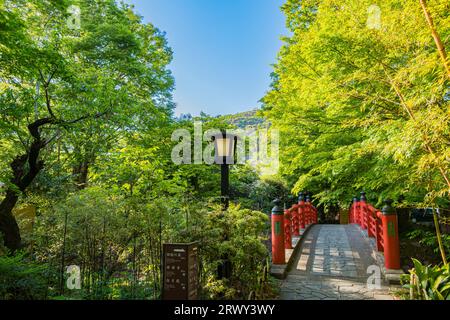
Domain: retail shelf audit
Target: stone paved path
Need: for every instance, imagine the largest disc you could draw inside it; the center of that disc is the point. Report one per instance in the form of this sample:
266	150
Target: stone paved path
332	265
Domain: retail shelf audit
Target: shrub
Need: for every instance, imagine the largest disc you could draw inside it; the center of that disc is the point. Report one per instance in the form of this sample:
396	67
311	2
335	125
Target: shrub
21	279
428	238
429	282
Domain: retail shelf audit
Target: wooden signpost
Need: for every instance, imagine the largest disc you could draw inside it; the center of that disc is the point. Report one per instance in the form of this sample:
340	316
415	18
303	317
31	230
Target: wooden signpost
180	273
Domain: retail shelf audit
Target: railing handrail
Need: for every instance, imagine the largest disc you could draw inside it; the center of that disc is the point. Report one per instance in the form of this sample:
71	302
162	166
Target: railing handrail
289	224
381	225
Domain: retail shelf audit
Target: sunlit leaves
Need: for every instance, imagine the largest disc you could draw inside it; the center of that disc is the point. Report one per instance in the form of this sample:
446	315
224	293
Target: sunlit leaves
360	108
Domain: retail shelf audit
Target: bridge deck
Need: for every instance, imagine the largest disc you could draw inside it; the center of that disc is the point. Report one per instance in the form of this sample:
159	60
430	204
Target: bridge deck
332	264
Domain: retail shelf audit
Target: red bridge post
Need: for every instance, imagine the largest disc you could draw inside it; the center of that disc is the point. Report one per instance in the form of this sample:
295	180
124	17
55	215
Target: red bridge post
278	251
390	236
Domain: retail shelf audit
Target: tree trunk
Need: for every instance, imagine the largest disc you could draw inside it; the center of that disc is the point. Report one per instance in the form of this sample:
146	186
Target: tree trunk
8	224
81	174
23	176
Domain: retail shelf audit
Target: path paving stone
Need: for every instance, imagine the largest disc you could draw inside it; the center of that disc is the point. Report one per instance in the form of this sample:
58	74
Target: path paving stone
332	265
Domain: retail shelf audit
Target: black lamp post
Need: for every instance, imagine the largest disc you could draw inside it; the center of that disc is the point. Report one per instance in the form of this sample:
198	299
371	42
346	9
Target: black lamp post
225	146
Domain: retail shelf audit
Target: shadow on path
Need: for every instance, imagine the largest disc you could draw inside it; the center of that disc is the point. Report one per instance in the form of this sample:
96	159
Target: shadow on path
332	264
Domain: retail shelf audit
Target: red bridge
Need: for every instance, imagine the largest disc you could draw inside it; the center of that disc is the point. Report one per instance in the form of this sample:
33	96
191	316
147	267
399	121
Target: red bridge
359	259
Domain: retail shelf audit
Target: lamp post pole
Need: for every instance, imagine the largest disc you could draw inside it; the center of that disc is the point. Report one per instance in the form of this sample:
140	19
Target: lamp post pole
226	148
225	184
224	269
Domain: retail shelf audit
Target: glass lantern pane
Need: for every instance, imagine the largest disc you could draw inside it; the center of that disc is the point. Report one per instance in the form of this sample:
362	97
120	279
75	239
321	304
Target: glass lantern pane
223	147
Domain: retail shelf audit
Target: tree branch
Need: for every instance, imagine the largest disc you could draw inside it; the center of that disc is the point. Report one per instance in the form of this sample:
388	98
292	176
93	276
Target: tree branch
47	96
437	39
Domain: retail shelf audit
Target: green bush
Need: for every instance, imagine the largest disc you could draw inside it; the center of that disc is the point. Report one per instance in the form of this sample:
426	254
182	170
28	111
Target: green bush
428	238
21	279
428	282
244	246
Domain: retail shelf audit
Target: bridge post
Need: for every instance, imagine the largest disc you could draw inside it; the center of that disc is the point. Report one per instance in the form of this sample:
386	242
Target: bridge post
278	251
390	236
287	229
301	210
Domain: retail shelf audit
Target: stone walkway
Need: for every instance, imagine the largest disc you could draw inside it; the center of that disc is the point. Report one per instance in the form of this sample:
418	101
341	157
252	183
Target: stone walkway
333	265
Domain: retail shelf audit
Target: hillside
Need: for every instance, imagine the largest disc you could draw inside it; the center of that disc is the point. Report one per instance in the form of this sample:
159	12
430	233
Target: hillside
245	120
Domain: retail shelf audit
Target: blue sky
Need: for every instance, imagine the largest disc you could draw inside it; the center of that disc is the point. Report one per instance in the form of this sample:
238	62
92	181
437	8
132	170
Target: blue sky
223	50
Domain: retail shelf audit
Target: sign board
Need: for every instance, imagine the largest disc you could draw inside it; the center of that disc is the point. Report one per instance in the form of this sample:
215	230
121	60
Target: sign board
391	229
180	273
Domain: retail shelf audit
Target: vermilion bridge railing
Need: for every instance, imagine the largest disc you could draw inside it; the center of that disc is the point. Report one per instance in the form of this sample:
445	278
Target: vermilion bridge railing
288	223
379	224
368	218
